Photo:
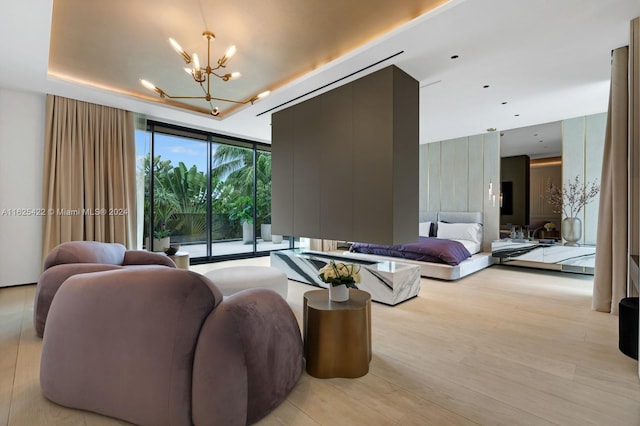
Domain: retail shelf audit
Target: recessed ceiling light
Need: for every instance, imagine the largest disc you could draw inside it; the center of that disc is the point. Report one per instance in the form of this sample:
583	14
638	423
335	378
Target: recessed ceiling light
455	57
486	86
535	134
491	129
540	141
504	103
516	115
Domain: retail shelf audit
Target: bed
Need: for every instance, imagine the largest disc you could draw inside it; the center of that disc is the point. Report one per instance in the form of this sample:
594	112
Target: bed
449	247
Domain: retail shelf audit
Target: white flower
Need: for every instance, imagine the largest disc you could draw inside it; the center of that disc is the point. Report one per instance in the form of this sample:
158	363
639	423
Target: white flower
340	273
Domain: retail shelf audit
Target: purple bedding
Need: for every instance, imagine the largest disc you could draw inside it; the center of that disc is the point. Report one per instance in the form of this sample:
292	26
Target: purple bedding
435	250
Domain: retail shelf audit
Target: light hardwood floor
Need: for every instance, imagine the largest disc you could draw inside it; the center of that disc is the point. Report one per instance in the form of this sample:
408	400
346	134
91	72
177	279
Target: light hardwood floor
505	346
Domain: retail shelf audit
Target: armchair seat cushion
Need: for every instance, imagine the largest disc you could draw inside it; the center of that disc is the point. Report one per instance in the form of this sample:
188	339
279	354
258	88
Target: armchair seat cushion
233	279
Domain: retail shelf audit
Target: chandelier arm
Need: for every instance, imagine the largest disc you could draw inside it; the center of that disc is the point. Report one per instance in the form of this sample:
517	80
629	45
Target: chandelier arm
229	100
184	97
221	77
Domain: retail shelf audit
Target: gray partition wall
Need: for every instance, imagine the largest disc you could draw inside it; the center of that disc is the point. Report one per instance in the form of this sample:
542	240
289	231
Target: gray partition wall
345	163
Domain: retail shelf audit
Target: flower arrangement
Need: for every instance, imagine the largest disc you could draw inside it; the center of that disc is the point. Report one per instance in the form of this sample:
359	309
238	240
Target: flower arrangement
340	273
572	197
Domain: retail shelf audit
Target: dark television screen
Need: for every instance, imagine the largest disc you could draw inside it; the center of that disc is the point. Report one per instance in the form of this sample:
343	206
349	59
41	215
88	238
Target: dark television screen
507	199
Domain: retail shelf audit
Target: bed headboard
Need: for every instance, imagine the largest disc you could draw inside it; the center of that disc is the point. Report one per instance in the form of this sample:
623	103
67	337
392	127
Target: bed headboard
460	217
428	217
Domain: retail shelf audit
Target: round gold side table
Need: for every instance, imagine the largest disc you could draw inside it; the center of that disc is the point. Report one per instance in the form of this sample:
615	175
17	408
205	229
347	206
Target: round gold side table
337	335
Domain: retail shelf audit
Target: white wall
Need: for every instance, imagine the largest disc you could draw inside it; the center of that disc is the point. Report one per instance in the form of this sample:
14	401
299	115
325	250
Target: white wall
455	176
582	152
22	117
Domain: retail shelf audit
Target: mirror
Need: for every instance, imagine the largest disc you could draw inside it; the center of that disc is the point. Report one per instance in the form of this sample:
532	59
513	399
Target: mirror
531	158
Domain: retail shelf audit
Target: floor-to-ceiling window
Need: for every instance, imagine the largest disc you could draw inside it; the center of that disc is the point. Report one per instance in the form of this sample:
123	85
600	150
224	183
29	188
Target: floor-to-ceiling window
209	193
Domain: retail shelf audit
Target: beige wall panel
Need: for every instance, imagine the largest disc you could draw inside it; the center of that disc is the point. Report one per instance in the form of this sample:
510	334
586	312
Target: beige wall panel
491	213
594	151
423	179
461	175
582	151
476	172
573	147
435	178
447	174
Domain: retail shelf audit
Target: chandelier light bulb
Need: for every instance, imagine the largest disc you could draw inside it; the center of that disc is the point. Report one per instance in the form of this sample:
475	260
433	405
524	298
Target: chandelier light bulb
179	50
230	52
175	46
196	62
188	70
148	84
264	94
235	75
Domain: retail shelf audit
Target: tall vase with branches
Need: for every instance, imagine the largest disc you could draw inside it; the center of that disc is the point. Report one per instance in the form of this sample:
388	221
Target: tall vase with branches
570	200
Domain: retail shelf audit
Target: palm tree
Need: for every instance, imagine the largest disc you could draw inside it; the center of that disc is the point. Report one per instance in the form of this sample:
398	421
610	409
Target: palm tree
234	166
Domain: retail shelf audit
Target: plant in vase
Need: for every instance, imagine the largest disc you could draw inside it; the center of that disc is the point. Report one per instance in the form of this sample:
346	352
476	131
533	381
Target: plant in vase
570	200
340	277
242	210
263	210
161	239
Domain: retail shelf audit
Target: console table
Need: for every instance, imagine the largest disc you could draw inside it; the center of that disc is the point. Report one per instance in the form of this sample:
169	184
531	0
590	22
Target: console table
387	282
554	256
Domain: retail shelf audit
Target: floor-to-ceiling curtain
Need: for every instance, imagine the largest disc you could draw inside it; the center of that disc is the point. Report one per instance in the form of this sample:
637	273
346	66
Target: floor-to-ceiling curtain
610	280
634	143
89	174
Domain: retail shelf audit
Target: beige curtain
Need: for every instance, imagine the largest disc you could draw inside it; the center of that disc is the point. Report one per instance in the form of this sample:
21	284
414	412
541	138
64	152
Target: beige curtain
89	174
610	280
634	144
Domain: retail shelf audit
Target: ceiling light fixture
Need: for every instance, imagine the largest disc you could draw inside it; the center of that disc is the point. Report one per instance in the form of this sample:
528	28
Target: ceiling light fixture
203	75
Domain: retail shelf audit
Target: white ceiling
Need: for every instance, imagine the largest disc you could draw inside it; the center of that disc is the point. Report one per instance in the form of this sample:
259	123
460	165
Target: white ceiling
549	60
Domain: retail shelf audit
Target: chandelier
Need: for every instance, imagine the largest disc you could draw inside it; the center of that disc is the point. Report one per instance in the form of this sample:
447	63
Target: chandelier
203	75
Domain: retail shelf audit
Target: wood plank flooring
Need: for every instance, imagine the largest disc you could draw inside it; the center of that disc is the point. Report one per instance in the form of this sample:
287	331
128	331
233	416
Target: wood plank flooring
505	346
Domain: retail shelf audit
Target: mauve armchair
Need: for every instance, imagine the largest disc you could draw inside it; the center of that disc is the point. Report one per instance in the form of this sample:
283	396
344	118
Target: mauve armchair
80	257
162	347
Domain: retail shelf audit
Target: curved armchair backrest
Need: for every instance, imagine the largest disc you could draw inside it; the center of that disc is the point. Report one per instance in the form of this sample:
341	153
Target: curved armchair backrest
86	252
121	343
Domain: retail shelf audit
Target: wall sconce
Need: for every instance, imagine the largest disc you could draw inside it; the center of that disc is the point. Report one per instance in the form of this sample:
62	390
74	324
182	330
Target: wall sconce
492	196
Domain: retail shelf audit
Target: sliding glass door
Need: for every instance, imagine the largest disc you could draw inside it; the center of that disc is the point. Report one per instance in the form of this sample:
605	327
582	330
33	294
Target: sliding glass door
210	194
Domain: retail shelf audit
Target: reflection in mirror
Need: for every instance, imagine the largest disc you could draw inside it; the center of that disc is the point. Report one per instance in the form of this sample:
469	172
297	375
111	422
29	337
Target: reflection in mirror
531	159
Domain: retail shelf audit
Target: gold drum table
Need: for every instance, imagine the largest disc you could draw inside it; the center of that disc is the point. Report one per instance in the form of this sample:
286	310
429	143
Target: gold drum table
337	335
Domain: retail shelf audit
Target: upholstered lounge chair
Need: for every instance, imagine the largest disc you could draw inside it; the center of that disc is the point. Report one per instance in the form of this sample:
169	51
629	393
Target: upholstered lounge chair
162	347
79	257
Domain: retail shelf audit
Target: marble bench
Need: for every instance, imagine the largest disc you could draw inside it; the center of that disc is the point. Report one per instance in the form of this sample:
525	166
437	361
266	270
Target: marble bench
387	282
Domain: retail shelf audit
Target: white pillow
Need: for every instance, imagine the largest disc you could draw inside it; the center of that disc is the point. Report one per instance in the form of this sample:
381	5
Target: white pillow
460	231
424	229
